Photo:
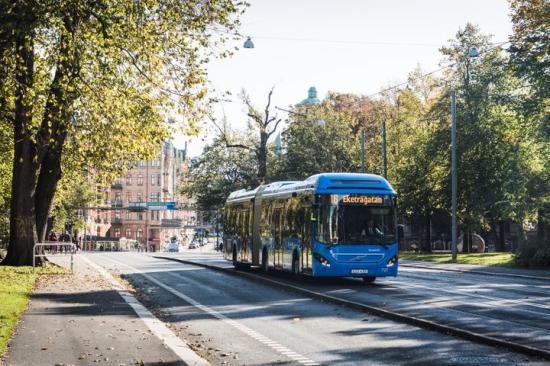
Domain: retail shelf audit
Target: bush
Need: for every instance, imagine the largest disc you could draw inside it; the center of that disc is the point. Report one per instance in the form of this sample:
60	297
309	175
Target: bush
534	255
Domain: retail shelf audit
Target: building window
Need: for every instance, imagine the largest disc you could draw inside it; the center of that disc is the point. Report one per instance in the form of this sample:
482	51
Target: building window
128	215
140	180
153	179
118	196
129	179
155	163
129	197
117	232
139	233
128	233
141	164
117	214
140	216
140	196
152	197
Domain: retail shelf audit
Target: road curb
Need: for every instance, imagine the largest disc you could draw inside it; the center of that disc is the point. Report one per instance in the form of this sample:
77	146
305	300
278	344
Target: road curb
418	322
502	274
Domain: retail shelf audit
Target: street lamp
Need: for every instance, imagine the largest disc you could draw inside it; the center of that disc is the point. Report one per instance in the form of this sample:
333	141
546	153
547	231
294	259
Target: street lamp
248	43
473	52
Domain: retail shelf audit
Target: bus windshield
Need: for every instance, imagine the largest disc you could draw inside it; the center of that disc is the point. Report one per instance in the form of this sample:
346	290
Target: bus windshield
356	224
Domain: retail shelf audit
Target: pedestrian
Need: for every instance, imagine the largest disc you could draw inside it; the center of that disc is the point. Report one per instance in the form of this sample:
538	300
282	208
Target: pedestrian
53	238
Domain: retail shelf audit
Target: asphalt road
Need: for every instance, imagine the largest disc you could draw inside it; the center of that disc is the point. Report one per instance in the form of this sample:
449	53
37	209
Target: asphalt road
233	320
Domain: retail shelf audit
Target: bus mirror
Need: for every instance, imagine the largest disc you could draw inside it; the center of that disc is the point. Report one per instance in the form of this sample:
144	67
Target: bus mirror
400	232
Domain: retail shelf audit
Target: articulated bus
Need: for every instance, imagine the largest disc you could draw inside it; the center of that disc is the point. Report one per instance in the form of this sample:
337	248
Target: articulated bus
329	225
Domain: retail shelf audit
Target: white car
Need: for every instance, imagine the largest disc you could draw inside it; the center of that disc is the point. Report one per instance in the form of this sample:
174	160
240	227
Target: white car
174	247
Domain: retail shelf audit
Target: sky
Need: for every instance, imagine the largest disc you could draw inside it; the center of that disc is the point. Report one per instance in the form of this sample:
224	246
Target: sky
348	46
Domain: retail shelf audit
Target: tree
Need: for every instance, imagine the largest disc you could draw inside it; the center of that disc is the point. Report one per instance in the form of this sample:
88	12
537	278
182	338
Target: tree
530	59
75	73
218	172
264	124
495	154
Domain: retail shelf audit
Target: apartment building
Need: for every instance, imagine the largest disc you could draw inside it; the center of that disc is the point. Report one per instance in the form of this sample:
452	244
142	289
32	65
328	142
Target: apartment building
146	204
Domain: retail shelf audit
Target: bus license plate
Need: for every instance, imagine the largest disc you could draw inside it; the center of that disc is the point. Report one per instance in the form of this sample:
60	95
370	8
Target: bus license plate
359	271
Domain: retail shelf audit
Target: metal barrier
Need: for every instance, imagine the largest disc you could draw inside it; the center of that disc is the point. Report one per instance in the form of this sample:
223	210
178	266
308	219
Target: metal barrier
49	245
112	246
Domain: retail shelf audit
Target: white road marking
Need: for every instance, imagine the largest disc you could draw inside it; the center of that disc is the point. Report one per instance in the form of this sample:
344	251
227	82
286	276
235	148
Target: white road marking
243	328
155	325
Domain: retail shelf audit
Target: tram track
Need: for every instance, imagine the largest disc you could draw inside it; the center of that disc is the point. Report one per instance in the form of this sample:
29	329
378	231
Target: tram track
379	311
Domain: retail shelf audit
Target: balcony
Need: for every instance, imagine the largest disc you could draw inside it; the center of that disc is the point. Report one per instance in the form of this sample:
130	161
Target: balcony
137	206
116	203
116	221
171	223
116	185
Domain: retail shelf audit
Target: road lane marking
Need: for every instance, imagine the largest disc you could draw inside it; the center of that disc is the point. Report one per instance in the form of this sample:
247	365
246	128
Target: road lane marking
155	325
241	327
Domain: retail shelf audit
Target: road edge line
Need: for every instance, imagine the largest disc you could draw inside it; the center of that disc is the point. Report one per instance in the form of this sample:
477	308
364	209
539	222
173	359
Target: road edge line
157	327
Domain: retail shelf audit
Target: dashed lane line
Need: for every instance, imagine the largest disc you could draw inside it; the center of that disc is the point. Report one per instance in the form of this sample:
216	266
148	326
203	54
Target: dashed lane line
243	328
155	325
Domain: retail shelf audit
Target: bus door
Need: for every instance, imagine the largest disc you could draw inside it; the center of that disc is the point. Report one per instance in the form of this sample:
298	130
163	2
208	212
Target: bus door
278	243
305	215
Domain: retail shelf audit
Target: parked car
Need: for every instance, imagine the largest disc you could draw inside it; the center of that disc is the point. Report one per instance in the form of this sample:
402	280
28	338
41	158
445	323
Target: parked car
194	245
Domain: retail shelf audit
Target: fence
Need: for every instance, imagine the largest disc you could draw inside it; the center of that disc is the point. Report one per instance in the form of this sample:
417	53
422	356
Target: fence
48	249
112	246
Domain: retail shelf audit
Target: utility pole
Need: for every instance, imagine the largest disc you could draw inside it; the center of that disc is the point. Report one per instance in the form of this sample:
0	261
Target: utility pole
363	151
453	177
384	149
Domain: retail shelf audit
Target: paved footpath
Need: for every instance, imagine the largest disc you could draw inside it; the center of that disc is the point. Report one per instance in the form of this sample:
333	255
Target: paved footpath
83	319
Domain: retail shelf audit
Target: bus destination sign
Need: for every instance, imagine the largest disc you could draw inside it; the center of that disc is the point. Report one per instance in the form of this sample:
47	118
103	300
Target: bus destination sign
362	200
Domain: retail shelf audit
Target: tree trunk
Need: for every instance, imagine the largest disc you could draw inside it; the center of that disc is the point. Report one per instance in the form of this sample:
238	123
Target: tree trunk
540	225
428	245
22	210
262	157
50	173
501	246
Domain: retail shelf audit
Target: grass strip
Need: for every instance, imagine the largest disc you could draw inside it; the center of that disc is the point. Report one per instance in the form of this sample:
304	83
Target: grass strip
16	284
482	259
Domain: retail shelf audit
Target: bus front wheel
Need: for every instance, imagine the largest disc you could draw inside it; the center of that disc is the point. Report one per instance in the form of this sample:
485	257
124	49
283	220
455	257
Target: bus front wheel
369	279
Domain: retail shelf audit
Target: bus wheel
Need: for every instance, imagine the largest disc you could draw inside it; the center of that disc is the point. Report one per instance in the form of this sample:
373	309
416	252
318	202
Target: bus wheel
295	266
265	261
369	279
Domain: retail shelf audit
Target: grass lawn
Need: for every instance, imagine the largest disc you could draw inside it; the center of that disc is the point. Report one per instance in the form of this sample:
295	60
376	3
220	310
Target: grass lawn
16	284
482	259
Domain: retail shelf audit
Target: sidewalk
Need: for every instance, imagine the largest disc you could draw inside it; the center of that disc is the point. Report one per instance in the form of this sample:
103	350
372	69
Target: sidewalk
485	270
81	320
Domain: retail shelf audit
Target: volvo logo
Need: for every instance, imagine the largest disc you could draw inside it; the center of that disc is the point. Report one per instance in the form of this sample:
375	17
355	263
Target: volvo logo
359	258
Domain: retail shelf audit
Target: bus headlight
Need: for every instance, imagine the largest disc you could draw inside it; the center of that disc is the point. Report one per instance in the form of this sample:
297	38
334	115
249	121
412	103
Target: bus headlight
321	259
392	261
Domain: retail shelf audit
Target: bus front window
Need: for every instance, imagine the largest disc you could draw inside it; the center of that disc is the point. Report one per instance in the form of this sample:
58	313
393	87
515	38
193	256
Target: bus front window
356	224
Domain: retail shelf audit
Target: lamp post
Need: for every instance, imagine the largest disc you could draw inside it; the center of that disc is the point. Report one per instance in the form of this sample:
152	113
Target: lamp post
473	52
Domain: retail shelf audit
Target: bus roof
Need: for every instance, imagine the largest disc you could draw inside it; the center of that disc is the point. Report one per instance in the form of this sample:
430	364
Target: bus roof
327	183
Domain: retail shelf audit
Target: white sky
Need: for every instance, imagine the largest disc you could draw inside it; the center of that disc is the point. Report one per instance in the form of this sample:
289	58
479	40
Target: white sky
352	46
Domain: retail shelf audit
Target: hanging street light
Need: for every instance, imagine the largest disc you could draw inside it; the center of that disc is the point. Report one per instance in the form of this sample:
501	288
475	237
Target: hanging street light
248	43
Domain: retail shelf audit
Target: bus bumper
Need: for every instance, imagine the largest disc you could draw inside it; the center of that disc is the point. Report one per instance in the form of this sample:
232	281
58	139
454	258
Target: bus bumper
354	270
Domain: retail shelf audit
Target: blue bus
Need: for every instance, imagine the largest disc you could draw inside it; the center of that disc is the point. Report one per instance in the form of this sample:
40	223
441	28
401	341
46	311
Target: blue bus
329	225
